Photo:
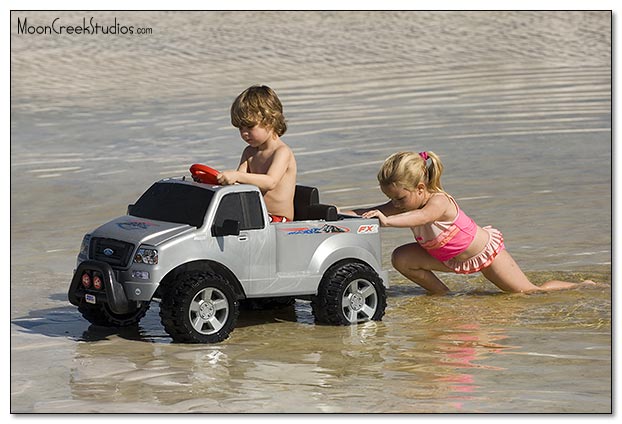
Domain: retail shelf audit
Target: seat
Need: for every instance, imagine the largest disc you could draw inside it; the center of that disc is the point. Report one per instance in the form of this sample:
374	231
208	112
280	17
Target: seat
307	205
323	212
303	198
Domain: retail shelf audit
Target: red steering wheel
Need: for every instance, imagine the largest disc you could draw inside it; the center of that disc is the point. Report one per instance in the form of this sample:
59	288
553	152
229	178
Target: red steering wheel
204	174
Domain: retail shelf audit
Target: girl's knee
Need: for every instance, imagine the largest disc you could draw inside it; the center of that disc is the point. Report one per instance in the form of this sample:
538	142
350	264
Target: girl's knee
401	259
396	258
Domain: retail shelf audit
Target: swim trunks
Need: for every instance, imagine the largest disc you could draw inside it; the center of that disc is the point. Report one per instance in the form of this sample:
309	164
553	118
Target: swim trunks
445	240
277	218
482	259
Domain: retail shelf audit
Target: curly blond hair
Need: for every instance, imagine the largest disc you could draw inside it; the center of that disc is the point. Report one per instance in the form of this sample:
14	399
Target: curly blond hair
258	105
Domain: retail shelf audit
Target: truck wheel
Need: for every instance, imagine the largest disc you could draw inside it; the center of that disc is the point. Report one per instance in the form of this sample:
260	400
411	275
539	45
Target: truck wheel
103	316
199	308
349	292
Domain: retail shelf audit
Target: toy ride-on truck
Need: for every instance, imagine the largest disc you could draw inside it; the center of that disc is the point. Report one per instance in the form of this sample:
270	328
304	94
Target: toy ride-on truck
203	248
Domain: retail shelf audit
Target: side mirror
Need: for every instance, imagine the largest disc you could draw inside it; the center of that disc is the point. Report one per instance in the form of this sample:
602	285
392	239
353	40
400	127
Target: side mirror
229	227
130	208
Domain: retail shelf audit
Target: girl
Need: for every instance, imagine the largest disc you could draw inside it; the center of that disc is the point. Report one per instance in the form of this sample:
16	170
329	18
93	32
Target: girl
447	239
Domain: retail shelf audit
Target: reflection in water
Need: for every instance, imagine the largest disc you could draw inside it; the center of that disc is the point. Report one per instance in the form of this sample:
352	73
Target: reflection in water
446	363
451	355
247	375
429	354
464	347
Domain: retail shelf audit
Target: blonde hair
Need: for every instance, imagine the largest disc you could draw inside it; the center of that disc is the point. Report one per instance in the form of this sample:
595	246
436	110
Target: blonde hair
408	169
258	105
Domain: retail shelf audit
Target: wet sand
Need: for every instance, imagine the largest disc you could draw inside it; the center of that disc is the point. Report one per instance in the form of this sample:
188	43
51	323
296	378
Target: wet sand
517	104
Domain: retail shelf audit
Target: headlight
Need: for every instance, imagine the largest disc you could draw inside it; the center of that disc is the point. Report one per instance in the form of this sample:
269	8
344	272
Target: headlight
146	256
84	247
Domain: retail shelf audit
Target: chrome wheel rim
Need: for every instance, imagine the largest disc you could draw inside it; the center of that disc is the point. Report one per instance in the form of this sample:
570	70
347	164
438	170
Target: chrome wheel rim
359	301
208	311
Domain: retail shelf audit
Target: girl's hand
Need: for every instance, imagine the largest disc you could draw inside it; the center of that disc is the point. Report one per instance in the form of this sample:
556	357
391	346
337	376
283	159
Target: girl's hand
377	214
227	177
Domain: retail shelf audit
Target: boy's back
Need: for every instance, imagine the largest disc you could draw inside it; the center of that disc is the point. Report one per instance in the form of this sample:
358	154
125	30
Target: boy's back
267	161
279	162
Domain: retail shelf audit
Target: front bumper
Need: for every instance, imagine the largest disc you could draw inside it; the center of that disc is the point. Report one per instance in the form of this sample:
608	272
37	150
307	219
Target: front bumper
112	292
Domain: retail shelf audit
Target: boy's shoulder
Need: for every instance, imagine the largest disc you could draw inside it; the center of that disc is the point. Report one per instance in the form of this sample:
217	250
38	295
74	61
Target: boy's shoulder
286	152
281	147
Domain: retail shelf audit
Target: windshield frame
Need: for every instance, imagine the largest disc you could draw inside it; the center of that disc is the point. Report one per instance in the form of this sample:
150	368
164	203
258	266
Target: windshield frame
172	201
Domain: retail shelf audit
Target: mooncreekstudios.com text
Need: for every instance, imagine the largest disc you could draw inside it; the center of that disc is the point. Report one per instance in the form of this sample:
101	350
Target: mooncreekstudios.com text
87	27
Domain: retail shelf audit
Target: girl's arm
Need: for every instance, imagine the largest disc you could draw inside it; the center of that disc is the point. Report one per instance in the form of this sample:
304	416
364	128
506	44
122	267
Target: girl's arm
386	208
432	211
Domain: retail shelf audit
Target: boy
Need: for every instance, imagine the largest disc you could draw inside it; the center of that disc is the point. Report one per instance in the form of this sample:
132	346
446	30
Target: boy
267	162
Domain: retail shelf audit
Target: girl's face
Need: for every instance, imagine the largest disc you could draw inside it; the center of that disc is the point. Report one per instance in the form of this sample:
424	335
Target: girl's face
403	199
255	136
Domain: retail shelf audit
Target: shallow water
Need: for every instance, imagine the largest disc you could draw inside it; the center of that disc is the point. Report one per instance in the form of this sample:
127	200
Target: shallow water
517	104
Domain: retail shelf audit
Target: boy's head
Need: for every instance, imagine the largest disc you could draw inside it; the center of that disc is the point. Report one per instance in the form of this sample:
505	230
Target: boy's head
258	105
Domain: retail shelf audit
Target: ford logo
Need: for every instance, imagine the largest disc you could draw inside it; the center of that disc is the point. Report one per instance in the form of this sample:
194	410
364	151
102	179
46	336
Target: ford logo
108	251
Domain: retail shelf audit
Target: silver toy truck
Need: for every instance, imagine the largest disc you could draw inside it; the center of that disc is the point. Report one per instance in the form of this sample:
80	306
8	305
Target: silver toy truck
202	249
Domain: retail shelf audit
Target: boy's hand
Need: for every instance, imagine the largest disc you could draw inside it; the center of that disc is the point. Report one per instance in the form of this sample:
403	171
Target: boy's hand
227	177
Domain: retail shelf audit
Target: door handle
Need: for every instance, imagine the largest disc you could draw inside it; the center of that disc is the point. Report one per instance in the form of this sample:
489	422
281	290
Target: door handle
242	238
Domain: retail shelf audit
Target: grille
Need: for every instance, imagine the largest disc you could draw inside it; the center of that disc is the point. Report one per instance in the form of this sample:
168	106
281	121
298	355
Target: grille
112	251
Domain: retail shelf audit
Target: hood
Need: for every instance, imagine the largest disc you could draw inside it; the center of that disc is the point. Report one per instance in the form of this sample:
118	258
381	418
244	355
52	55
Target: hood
141	231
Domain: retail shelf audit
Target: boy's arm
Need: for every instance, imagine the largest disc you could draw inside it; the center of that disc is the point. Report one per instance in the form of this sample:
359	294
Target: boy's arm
243	166
265	182
231	177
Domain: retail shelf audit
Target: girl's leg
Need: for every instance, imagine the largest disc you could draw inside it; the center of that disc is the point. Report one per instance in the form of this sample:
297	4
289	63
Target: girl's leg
505	273
412	261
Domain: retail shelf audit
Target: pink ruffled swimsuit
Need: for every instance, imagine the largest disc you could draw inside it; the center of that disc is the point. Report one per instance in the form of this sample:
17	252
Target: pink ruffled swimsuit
445	240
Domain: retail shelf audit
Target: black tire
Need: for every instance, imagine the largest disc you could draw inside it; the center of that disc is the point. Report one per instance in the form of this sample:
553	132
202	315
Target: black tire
101	315
200	307
349	292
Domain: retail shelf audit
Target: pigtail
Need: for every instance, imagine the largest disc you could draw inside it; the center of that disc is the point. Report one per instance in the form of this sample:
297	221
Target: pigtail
434	171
